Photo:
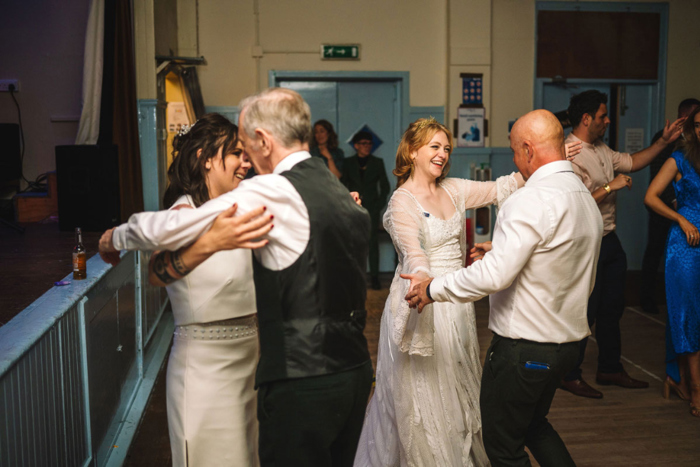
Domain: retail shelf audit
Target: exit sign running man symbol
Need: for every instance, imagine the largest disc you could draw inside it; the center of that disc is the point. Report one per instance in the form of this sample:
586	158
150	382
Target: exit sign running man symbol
340	52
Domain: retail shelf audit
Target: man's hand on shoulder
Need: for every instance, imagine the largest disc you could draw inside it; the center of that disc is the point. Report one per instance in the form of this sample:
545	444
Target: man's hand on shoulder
417	296
108	253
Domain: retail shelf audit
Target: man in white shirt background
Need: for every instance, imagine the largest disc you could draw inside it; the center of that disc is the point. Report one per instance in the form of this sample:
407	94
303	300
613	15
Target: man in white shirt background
315	374
540	272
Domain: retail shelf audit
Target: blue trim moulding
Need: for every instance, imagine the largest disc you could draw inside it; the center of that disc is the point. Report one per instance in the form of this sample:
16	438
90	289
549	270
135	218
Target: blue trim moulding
231	112
148	142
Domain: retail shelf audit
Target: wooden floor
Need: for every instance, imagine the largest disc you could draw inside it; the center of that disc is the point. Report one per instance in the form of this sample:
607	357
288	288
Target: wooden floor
31	262
625	428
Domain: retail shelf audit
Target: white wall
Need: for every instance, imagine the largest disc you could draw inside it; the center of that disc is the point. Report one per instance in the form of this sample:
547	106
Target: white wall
43	44
396	35
493	37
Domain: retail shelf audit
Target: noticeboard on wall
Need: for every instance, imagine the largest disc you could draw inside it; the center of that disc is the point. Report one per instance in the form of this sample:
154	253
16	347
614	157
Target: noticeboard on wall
470	127
472	88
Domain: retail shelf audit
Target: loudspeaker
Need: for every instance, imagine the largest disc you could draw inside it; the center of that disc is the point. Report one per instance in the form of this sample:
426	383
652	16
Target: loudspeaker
10	159
88	187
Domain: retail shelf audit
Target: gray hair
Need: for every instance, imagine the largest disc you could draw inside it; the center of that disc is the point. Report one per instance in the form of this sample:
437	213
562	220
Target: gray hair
281	112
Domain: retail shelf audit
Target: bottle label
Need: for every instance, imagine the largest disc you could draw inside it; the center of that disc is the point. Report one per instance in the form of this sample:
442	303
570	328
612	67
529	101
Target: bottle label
79	261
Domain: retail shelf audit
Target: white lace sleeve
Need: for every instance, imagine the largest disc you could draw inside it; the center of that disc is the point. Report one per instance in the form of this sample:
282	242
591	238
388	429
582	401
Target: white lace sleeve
479	194
410	331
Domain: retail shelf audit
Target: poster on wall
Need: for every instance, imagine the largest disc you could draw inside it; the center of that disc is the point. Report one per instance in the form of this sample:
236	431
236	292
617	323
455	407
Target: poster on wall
176	116
472	92
634	140
470	127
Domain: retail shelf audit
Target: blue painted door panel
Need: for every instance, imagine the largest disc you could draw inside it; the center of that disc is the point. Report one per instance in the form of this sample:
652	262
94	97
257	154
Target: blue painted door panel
556	97
349	106
639	100
373	104
322	97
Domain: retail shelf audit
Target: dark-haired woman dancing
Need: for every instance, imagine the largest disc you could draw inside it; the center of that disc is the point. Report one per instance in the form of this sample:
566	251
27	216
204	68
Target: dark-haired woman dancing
210	380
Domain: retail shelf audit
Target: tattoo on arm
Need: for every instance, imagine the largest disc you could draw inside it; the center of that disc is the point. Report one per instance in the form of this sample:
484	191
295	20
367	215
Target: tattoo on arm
178	264
160	267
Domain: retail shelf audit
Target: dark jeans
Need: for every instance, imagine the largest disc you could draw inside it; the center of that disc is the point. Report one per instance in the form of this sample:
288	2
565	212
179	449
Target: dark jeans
605	307
515	401
313	421
656	246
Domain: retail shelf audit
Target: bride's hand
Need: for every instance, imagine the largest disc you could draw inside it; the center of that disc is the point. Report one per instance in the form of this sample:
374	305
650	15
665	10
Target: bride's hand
572	149
417	297
479	250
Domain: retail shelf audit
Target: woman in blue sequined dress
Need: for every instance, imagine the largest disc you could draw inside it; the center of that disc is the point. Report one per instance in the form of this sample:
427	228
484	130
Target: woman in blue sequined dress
683	257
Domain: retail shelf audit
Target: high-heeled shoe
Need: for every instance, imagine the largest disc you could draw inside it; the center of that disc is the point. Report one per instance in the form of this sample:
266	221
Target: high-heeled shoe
669	385
694	411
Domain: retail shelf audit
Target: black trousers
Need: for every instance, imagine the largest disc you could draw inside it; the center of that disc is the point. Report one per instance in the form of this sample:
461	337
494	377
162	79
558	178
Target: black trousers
515	401
656	245
374	242
313	421
605	307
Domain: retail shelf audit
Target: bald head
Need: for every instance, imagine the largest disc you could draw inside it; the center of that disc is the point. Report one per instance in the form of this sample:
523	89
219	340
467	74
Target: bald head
537	138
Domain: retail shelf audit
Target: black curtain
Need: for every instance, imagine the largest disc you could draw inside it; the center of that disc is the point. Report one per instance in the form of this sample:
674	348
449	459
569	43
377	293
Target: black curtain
119	111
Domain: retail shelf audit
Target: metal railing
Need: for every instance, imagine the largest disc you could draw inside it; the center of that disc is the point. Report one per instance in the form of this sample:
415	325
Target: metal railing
78	364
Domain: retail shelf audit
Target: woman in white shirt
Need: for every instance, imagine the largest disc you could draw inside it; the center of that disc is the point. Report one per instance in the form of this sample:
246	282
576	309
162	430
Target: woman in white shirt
210	380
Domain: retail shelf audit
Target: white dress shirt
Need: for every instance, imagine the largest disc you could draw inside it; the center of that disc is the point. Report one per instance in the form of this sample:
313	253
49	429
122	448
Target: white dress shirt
171	230
542	267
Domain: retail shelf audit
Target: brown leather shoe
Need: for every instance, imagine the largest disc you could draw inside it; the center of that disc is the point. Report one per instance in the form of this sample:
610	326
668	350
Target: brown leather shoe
621	379
579	387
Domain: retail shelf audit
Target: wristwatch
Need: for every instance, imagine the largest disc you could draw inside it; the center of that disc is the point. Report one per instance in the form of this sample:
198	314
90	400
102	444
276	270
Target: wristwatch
607	188
427	292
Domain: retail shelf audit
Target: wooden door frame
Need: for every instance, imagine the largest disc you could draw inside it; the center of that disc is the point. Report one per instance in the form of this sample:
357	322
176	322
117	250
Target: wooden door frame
658	104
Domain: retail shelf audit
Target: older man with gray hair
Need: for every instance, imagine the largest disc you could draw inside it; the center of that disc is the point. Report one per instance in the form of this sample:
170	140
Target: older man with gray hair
315	373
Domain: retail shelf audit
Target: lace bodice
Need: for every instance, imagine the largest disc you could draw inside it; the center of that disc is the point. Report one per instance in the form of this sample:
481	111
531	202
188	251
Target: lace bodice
445	254
432	246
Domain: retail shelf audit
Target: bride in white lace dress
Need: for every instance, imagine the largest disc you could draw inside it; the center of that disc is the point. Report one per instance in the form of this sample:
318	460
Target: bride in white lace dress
425	408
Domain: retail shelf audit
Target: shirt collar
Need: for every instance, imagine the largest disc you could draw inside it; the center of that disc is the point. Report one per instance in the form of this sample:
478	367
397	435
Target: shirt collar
549	169
290	161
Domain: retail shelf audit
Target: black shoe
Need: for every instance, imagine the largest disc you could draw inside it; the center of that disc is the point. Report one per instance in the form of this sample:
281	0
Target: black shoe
621	379
579	387
376	285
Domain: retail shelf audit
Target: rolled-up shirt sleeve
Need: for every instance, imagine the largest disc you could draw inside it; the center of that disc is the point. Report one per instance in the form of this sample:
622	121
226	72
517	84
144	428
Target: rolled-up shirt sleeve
622	162
515	239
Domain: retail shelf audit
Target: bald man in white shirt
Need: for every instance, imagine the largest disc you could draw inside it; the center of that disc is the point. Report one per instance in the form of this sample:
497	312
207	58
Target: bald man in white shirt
539	273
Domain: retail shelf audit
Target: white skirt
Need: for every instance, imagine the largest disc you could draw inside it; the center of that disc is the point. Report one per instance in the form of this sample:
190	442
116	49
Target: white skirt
425	409
211	398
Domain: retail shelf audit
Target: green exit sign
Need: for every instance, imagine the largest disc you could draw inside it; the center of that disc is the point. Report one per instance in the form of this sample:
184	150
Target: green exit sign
340	52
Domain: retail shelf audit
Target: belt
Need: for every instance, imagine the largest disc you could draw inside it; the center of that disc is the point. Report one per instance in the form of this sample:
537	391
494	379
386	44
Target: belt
229	329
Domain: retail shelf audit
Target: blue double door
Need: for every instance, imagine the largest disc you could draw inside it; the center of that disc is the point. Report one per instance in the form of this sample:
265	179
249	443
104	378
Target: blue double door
635	113
352	105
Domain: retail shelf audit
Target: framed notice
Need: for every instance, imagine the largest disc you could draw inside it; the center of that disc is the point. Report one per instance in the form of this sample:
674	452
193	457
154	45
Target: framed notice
472	89
470	127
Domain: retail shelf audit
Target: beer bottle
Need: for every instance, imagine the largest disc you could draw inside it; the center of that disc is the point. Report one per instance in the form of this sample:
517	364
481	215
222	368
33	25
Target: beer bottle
79	256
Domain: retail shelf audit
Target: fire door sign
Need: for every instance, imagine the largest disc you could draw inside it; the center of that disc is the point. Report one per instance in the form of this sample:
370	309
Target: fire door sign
340	52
